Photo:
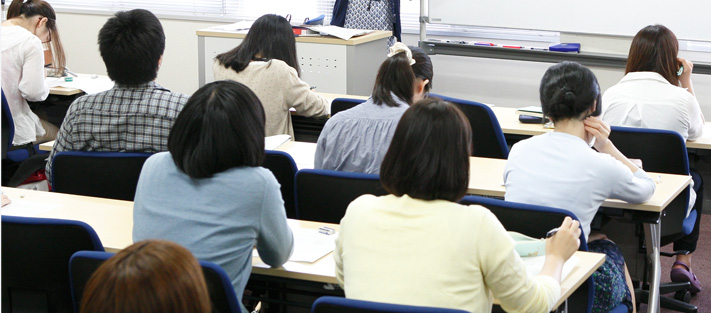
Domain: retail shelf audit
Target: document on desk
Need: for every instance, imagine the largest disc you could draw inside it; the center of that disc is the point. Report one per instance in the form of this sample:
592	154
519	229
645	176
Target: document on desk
234	27
273	142
340	32
90	84
534	265
20	207
309	244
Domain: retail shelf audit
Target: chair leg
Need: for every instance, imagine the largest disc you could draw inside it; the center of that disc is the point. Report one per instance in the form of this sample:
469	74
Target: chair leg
676	305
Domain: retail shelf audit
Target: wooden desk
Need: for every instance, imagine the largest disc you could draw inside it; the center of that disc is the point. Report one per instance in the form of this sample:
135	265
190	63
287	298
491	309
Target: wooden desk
508	119
113	222
331	64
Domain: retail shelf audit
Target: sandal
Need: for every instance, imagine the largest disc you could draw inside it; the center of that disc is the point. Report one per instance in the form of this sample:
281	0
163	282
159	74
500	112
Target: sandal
680	275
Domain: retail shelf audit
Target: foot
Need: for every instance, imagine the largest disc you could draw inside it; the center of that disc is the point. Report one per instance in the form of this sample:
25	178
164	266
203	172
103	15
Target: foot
682	273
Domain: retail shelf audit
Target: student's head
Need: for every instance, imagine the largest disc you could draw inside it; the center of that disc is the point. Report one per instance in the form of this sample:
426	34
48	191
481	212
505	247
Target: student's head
270	37
569	91
400	76
220	127
147	277
429	155
131	44
39	16
655	49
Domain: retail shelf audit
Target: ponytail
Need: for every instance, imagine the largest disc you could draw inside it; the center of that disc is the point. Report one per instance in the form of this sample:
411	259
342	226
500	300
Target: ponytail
395	76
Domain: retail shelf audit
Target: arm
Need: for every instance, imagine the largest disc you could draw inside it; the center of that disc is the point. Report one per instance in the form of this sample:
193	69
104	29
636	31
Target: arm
301	97
275	241
33	85
696	118
595	127
63	142
505	273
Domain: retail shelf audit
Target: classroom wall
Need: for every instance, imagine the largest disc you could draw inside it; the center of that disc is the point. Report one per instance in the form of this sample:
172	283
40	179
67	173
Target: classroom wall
500	82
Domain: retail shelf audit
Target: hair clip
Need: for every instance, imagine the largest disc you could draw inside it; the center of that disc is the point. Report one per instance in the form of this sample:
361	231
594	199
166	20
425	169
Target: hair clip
399	47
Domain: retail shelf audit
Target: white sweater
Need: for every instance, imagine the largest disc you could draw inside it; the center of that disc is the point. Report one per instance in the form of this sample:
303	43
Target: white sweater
279	88
434	253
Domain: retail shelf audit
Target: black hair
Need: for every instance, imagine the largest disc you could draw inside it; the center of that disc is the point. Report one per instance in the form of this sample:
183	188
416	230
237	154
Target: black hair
220	127
567	90
30	8
396	76
131	44
423	66
271	37
428	158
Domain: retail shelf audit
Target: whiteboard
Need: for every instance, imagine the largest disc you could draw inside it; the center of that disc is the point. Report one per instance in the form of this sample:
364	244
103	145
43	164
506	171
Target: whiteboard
690	20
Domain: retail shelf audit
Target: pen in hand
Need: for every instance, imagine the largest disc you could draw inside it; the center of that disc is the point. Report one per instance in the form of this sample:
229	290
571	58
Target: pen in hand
551	232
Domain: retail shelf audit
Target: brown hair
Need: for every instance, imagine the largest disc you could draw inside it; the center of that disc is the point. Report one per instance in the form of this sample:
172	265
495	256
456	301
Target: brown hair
428	158
655	49
148	277
30	8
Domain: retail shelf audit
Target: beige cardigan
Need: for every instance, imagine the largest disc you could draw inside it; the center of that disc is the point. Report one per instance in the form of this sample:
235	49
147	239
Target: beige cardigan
279	88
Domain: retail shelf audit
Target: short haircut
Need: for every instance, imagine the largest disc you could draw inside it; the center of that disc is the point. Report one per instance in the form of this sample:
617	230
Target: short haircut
220	127
131	44
655	49
428	157
147	277
567	90
270	36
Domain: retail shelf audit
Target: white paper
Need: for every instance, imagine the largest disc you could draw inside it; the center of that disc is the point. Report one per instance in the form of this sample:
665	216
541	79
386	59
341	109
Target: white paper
534	265
273	142
340	32
20	207
304	154
90	84
234	27
309	244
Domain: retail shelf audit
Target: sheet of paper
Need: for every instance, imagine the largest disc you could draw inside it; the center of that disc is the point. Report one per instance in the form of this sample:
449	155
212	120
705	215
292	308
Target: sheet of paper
309	245
340	32
273	142
303	153
20	207
90	84
239	26
534	265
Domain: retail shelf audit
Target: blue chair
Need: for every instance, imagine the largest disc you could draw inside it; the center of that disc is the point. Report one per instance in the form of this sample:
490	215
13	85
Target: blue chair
664	151
342	104
222	295
518	217
282	165
103	174
35	258
342	305
8	134
487	137
324	195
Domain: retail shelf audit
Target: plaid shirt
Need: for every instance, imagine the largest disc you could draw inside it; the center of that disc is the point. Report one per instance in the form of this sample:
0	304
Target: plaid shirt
123	119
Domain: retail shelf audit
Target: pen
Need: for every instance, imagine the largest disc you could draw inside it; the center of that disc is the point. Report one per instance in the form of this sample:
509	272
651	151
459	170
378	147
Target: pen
489	44
326	230
551	232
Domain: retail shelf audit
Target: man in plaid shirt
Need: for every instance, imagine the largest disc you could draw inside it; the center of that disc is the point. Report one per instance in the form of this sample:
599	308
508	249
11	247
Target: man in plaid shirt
137	114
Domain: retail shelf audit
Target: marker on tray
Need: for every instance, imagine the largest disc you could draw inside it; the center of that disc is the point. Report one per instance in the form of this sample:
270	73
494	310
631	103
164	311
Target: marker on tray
487	44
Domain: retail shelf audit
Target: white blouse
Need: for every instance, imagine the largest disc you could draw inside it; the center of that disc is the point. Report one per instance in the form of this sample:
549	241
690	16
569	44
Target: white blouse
647	100
23	79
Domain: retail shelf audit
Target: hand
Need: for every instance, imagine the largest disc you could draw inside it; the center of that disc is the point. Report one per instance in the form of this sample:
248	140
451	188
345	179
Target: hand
566	241
688	67
598	129
5	200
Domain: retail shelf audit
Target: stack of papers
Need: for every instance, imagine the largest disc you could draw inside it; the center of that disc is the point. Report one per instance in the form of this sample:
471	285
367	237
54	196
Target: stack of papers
273	142
90	84
534	265
309	244
340	32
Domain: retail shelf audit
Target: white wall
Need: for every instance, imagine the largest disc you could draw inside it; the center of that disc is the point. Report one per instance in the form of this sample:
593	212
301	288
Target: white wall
500	82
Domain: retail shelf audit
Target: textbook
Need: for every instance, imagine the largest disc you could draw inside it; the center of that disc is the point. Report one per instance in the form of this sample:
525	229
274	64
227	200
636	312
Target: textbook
530	111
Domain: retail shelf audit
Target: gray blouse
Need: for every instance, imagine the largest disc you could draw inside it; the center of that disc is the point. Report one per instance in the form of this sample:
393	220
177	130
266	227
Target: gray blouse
357	139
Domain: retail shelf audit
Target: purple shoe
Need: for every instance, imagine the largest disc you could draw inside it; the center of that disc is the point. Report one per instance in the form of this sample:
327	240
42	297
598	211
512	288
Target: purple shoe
680	275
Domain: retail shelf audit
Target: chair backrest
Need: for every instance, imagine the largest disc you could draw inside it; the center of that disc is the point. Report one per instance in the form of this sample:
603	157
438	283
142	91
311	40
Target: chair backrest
284	169
8	127
518	217
661	151
35	258
487	137
98	174
222	295
330	304
342	104
324	195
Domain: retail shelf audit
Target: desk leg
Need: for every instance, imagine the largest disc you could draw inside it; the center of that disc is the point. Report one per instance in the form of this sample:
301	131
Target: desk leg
652	235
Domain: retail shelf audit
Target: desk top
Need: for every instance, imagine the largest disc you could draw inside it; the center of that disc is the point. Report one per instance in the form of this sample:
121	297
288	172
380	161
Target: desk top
375	35
113	222
508	119
487	178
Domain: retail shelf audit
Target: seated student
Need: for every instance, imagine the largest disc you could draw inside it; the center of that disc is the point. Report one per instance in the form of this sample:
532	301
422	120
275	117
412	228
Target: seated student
418	246
29	25
135	115
559	169
151	276
266	62
650	96
209	193
356	140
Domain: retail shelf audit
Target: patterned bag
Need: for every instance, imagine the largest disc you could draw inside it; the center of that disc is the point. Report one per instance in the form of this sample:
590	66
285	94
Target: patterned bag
370	14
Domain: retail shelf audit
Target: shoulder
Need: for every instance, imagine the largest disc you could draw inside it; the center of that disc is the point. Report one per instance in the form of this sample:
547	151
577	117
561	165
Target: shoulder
254	176
279	66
